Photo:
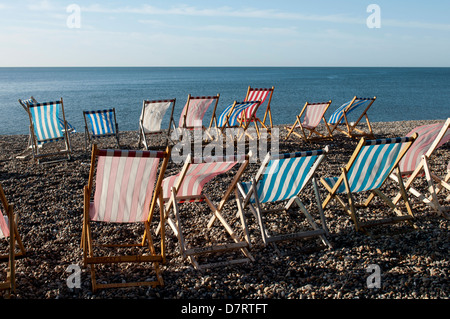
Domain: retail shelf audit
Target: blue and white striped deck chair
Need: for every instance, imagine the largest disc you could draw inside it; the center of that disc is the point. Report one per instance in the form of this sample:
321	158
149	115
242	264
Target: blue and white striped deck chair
367	170
340	116
103	123
46	127
282	178
233	116
32	100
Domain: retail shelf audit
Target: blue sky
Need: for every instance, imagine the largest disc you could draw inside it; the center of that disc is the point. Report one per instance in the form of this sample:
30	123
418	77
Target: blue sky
224	33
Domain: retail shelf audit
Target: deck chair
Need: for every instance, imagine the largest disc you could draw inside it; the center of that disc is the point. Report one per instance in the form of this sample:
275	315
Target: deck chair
414	165
8	223
127	186
281	179
151	117
234	116
46	128
262	94
191	117
188	187
312	114
32	100
102	124
367	171
340	116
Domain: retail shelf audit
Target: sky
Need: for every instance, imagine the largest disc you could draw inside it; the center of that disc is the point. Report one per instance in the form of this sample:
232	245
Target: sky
225	33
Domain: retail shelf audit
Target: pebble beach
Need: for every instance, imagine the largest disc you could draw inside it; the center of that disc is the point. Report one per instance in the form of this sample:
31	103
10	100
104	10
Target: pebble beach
413	261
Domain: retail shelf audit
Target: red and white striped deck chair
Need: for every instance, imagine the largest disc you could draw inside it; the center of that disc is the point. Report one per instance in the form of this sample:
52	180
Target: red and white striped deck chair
151	118
7	223
191	117
259	94
312	114
415	164
127	185
188	187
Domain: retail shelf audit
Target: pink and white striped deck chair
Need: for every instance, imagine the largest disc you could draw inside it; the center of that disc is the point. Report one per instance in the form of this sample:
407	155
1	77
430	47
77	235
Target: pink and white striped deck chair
7	223
127	186
312	114
191	117
415	164
261	94
188	187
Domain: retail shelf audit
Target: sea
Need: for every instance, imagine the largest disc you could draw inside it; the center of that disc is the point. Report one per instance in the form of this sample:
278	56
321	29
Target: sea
402	94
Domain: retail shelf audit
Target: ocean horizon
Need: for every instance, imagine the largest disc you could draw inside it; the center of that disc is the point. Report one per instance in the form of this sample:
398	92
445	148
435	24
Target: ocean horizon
403	93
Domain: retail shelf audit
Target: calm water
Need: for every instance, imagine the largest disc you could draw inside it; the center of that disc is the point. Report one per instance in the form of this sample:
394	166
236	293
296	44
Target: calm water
402	93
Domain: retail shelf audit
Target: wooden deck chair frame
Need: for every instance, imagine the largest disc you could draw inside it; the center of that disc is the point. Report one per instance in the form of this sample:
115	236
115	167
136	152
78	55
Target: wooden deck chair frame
89	136
316	158
435	183
267	113
39	140
172	206
143	135
23	103
312	130
186	109
351	129
150	255
9	283
349	205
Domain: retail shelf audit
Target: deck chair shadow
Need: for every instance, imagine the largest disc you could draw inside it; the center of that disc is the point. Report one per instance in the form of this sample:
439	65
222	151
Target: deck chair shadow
152	114
100	124
313	114
367	171
192	115
8	230
234	116
188	188
127	186
415	165
48	127
341	117
260	94
282	179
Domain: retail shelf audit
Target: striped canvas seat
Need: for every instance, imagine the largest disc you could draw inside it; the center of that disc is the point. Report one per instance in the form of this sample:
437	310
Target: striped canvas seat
101	124
414	165
151	118
188	186
427	142
48	125
368	169
198	175
4	226
32	101
340	116
127	185
312	114
124	185
9	231
233	113
282	178
259	94
195	109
